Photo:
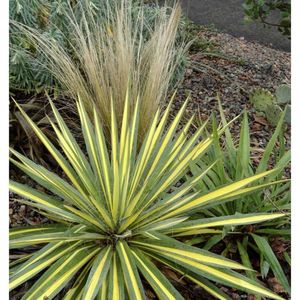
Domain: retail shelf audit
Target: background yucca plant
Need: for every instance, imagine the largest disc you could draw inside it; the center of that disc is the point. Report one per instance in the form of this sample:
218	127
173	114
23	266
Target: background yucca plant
116	211
235	163
104	47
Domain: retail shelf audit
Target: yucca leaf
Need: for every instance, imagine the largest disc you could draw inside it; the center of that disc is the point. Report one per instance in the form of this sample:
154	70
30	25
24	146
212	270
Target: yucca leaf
228	137
115	152
115	289
85	218
39	261
193	140
208	286
217	194
89	135
287	257
164	143
279	232
263	164
58	275
243	153
17	260
191	227
52	205
73	152
97	274
20	232
103	160
282	162
52	182
125	156
75	292
168	247
217	149
154	133
222	276
157	280
156	211
130	272
23	238
103	291
249	190
242	248
269	255
54	152
212	241
205	284
246	260
163	225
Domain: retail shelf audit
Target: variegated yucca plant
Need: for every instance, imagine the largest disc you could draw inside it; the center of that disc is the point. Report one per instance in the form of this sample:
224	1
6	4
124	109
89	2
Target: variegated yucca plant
114	213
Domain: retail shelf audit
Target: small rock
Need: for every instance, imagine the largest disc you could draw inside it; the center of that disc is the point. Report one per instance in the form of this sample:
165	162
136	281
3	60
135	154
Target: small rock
22	210
236	296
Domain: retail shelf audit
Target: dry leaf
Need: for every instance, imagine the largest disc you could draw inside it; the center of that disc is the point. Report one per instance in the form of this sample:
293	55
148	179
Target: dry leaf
275	285
256	127
261	120
150	294
172	275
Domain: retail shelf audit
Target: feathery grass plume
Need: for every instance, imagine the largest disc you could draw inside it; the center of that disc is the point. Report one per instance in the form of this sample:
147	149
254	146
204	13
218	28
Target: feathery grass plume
110	53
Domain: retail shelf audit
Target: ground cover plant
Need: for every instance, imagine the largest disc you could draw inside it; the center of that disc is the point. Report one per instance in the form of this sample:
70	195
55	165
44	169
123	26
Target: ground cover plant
113	216
270	105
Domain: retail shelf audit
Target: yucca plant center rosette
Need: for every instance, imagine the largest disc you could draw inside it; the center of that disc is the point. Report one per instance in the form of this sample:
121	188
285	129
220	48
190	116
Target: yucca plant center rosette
119	216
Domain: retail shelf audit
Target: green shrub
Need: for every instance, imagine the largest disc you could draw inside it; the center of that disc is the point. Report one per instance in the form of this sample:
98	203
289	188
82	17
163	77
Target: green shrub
115	213
260	10
235	163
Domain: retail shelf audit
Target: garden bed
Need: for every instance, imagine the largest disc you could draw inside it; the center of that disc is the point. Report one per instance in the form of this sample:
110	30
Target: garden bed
230	68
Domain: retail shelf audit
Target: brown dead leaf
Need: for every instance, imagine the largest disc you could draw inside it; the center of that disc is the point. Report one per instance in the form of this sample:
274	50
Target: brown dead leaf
256	127
279	246
260	120
150	294
204	117
275	285
172	275
32	222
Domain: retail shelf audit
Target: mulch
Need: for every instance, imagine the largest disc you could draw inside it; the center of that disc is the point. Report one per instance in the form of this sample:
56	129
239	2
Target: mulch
232	71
